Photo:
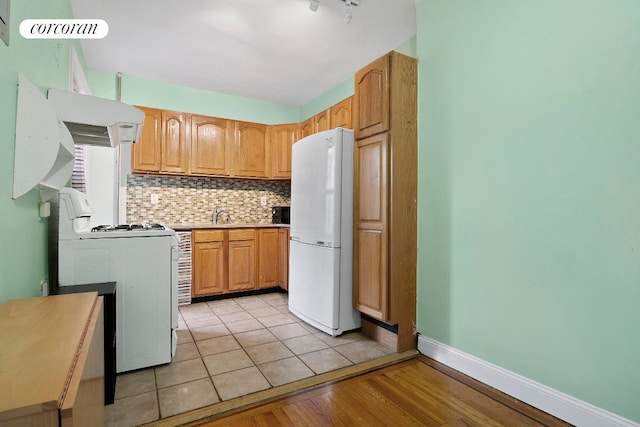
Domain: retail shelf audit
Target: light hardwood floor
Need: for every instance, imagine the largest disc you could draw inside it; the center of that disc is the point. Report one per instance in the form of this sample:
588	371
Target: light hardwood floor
417	392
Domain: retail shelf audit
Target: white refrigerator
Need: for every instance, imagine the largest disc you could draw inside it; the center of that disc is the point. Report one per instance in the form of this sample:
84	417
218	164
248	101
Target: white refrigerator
321	251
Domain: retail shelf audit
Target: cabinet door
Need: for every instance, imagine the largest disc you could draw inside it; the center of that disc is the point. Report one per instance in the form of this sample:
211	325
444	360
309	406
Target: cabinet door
146	151
175	147
282	139
242	264
211	145
283	258
341	114
208	268
306	128
251	152
371	109
321	121
268	258
371	278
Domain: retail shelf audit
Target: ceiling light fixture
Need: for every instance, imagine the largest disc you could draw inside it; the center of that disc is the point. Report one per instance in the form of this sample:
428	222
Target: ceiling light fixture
348	8
348	11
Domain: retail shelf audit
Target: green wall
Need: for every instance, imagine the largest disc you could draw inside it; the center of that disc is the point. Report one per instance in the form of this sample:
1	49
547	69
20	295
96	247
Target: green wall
45	63
346	88
327	99
529	190
180	98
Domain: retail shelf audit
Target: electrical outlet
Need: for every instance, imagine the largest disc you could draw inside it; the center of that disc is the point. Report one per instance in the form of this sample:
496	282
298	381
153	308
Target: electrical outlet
45	210
263	201
154	199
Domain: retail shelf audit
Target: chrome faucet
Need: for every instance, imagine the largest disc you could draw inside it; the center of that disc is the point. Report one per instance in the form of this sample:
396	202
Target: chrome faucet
216	213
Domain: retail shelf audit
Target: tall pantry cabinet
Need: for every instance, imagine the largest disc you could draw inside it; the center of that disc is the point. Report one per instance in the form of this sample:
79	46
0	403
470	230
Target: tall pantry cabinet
385	186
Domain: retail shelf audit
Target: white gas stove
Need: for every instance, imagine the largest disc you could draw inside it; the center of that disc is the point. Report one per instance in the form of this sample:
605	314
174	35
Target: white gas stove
143	261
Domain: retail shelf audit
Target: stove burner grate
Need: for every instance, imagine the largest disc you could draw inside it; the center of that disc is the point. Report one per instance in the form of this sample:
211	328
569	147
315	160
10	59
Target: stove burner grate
128	227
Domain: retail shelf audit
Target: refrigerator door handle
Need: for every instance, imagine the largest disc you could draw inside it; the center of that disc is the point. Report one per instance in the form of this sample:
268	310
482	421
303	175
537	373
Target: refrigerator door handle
316	243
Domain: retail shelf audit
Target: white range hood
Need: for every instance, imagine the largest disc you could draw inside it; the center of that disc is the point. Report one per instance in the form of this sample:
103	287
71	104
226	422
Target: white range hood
96	121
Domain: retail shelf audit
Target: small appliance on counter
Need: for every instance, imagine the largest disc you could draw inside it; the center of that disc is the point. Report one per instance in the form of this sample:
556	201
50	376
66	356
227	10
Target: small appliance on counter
143	261
280	215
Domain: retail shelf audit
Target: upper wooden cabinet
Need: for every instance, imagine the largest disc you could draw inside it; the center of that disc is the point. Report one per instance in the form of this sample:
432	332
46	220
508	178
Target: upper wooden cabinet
251	151
340	114
191	144
307	127
385	192
212	142
176	132
321	121
164	143
146	151
371	113
282	138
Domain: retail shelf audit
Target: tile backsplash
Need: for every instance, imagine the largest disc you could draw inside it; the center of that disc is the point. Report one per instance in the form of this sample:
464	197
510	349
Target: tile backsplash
191	200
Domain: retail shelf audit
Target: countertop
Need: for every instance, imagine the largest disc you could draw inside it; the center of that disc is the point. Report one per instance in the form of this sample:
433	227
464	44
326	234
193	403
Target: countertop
202	225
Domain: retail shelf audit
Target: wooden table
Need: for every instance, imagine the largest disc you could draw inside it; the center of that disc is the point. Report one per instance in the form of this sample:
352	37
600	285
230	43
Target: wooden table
51	361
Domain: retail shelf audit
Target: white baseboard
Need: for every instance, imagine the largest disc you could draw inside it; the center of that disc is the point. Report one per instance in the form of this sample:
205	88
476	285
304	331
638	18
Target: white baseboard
554	402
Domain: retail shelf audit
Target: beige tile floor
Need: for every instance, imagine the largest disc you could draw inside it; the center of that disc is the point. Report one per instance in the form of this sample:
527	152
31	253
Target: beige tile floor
230	348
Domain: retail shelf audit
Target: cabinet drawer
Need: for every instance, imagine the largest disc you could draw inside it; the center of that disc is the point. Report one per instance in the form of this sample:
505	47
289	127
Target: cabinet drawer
200	236
242	234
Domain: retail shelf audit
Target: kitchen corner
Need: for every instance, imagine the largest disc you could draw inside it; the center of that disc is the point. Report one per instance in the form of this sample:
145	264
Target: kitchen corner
245	232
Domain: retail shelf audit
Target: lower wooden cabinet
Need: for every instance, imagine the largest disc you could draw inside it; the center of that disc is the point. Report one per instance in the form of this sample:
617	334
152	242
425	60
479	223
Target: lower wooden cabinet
268	258
370	228
283	258
242	260
208	262
236	260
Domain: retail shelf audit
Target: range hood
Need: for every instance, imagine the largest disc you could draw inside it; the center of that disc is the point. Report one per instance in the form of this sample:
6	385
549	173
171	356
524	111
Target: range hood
96	121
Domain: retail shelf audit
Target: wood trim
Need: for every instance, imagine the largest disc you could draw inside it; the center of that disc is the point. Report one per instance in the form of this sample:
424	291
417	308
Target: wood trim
242	403
492	393
403	171
512	384
379	334
411	392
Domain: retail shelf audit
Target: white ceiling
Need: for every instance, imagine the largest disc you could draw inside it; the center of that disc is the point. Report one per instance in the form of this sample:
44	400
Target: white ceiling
277	50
